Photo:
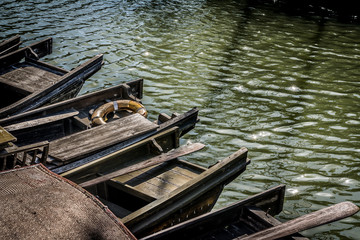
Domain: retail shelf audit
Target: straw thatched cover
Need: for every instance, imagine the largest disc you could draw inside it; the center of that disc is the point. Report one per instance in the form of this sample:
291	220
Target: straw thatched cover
38	204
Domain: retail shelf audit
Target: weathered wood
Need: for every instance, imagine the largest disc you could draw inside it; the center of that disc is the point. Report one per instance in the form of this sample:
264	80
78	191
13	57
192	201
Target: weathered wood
28	79
21	153
152	213
43	65
41	121
181	119
187	149
81	144
311	220
158	181
228	220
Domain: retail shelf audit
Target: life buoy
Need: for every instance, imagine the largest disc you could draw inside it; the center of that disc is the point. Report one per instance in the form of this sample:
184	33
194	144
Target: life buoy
99	115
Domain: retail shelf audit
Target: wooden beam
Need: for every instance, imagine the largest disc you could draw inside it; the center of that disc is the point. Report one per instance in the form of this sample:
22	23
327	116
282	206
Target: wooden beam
311	220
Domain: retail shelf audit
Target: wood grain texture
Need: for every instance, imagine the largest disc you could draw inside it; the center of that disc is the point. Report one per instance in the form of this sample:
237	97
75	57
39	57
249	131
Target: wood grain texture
29	79
81	144
311	220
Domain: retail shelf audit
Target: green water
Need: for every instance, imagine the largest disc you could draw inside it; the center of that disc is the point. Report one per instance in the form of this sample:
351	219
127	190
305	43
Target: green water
286	87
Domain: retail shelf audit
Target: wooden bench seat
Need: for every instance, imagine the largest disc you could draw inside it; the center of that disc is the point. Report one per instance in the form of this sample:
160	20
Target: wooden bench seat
158	180
29	79
84	143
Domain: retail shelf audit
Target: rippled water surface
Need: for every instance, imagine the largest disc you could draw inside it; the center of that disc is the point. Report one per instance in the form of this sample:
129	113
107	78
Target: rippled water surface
286	87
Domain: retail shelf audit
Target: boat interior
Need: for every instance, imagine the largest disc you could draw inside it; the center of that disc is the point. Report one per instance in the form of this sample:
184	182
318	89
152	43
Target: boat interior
130	192
19	79
26	78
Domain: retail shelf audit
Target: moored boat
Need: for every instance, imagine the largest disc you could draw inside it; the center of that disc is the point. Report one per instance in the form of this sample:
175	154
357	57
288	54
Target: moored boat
77	133
252	219
153	198
27	83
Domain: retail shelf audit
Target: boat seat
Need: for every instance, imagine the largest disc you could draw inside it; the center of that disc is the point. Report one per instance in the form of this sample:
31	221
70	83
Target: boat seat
82	144
157	181
29	79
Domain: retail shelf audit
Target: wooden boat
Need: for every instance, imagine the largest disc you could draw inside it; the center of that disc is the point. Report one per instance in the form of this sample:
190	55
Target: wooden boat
10	45
66	134
244	217
252	219
27	83
156	197
38	204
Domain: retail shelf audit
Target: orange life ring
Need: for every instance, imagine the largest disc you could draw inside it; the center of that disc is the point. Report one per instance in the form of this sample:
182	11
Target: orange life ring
99	115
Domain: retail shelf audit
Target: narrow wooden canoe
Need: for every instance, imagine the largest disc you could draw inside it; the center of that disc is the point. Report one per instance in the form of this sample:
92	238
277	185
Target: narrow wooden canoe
27	83
38	204
74	141
157	197
10	45
240	219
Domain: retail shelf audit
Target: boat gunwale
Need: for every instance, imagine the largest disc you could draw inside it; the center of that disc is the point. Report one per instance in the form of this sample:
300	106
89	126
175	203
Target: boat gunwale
275	194
59	106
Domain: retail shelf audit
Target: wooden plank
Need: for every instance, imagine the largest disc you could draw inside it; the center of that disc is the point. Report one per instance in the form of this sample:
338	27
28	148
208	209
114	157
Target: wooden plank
80	144
29	79
117	156
41	121
311	220
156	183
141	175
130	190
47	66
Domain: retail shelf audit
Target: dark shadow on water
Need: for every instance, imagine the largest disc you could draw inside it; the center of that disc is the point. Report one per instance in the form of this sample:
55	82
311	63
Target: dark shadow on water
243	7
347	11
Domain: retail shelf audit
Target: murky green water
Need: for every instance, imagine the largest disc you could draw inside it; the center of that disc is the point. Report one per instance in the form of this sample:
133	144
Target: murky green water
285	87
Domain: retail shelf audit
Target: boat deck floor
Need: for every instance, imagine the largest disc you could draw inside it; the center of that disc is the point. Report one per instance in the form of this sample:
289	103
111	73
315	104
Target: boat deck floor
27	79
159	180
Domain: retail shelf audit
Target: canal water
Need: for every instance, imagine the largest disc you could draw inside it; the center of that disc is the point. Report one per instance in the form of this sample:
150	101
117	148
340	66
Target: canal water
284	86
